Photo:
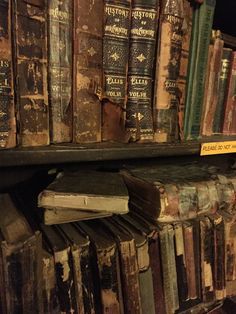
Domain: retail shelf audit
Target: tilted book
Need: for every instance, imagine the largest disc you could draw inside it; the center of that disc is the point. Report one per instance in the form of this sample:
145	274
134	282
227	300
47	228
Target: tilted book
7	108
60	69
87	190
30	64
87	70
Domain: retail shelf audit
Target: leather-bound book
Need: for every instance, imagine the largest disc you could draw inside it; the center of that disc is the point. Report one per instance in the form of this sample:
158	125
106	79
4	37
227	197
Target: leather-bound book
198	56
167	71
115	61
184	57
30	58
60	69
212	86
106	262
21	257
84	283
223	81
7	108
129	266
87	70
144	21
229	127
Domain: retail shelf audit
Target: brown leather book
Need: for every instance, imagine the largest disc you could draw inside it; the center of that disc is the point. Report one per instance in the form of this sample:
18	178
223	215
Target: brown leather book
87	70
229	127
7	108
60	69
30	58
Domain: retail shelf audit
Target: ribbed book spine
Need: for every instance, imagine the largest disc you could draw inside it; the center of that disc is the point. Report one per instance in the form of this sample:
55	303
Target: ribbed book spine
30	61
60	69
144	21
7	110
87	70
167	72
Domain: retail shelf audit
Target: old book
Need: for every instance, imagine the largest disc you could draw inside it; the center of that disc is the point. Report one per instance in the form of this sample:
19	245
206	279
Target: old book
200	40
87	70
167	72
63	268
169	268
129	266
60	70
184	57
75	190
30	58
7	108
144	21
212	86
145	272
115	63
52	216
106	260
84	284
230	105
223	80
21	256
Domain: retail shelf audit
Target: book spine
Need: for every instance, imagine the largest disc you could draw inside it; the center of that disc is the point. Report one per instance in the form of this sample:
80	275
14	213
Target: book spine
212	86
30	59
144	21
202	25
167	72
7	109
115	65
229	127
184	57
146	291
222	89
87	70
60	70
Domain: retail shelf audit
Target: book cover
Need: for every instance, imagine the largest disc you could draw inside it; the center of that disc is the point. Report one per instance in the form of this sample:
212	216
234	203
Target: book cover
87	70
143	39
30	65
59	15
7	107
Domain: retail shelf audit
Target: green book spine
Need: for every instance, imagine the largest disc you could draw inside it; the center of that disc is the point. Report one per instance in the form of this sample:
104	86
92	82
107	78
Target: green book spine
202	25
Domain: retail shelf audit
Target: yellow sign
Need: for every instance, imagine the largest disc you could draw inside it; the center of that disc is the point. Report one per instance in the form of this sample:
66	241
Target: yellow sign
216	148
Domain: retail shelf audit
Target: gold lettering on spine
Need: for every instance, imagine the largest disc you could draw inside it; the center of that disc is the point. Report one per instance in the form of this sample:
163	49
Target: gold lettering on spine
116	11
59	15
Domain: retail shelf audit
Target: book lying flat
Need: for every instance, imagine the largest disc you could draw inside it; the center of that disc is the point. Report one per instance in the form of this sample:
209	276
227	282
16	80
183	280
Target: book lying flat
86	190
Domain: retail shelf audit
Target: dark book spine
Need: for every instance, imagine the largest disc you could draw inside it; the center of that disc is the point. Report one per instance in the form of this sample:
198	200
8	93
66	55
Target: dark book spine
167	72
30	57
144	21
7	109
229	127
87	70
222	83
60	69
115	65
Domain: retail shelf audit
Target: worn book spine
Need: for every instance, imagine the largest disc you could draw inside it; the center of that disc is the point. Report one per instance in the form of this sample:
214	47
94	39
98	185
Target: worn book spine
144	21
212	86
115	66
229	127
30	64
200	40
223	80
60	70
87	70
184	57
7	108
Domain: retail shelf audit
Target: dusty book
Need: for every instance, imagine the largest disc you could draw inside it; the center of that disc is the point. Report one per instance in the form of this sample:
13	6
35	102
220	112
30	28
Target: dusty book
106	192
7	108
30	66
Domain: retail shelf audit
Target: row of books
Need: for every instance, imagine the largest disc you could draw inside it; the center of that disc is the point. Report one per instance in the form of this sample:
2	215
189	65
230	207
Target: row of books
107	71
173	252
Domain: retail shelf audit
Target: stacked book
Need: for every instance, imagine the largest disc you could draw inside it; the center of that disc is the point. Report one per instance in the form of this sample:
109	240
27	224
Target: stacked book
173	252
137	71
